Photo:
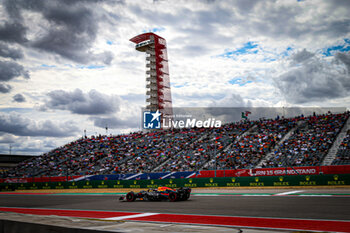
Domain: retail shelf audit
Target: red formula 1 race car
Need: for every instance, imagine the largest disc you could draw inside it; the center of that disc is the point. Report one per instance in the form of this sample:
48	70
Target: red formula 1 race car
159	194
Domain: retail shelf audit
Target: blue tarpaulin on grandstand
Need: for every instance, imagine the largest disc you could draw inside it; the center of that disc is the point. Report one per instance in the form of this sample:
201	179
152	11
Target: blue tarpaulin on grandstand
143	176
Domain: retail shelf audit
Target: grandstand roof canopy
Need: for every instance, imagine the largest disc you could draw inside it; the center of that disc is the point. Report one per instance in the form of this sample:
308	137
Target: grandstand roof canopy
7	158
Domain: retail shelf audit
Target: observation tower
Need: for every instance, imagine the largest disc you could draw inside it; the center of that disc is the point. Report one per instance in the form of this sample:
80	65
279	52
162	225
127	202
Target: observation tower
158	93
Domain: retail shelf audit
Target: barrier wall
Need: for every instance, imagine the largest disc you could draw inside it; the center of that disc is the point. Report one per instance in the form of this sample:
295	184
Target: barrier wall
311	170
38	179
258	181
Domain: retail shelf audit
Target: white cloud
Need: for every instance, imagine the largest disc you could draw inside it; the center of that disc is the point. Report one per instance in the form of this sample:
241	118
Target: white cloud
84	46
14	123
314	79
77	102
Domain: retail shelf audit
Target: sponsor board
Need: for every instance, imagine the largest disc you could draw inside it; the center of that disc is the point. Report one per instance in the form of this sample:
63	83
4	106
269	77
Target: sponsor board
284	171
262	181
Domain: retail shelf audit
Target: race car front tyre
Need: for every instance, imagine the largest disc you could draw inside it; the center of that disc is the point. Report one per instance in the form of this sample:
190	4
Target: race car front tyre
172	196
130	196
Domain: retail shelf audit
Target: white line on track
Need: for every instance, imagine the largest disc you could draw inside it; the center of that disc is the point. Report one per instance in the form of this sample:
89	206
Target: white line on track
206	195
287	193
256	195
315	195
131	216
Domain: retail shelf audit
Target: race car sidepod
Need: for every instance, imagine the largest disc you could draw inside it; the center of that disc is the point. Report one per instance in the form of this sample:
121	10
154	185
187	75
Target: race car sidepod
160	194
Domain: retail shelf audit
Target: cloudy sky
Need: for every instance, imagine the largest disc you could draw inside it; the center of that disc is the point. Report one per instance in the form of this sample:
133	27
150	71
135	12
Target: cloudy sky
67	65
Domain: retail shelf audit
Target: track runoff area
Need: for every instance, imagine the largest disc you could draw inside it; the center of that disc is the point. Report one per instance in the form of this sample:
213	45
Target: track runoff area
323	210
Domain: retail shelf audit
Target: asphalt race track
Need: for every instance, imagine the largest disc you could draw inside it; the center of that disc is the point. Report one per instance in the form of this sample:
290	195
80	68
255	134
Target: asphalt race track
332	208
321	210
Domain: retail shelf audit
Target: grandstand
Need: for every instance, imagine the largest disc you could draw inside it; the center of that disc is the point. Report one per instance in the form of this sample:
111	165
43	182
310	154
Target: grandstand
343	153
298	141
8	161
309	143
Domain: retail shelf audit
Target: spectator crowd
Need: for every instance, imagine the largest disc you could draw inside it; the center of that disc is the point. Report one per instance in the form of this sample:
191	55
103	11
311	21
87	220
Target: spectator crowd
236	145
309	144
343	153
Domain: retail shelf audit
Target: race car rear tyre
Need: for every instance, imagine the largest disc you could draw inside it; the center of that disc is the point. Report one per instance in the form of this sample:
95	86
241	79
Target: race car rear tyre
172	196
130	196
186	196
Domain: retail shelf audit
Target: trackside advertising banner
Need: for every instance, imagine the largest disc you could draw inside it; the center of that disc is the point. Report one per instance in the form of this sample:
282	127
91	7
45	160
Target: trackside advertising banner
342	169
247	181
345	169
311	170
38	179
284	171
261	172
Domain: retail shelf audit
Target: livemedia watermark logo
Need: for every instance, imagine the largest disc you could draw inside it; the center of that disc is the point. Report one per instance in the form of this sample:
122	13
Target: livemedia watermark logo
152	120
215	117
192	123
158	120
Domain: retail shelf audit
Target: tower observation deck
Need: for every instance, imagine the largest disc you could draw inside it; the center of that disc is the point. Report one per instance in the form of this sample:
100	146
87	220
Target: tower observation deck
158	93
